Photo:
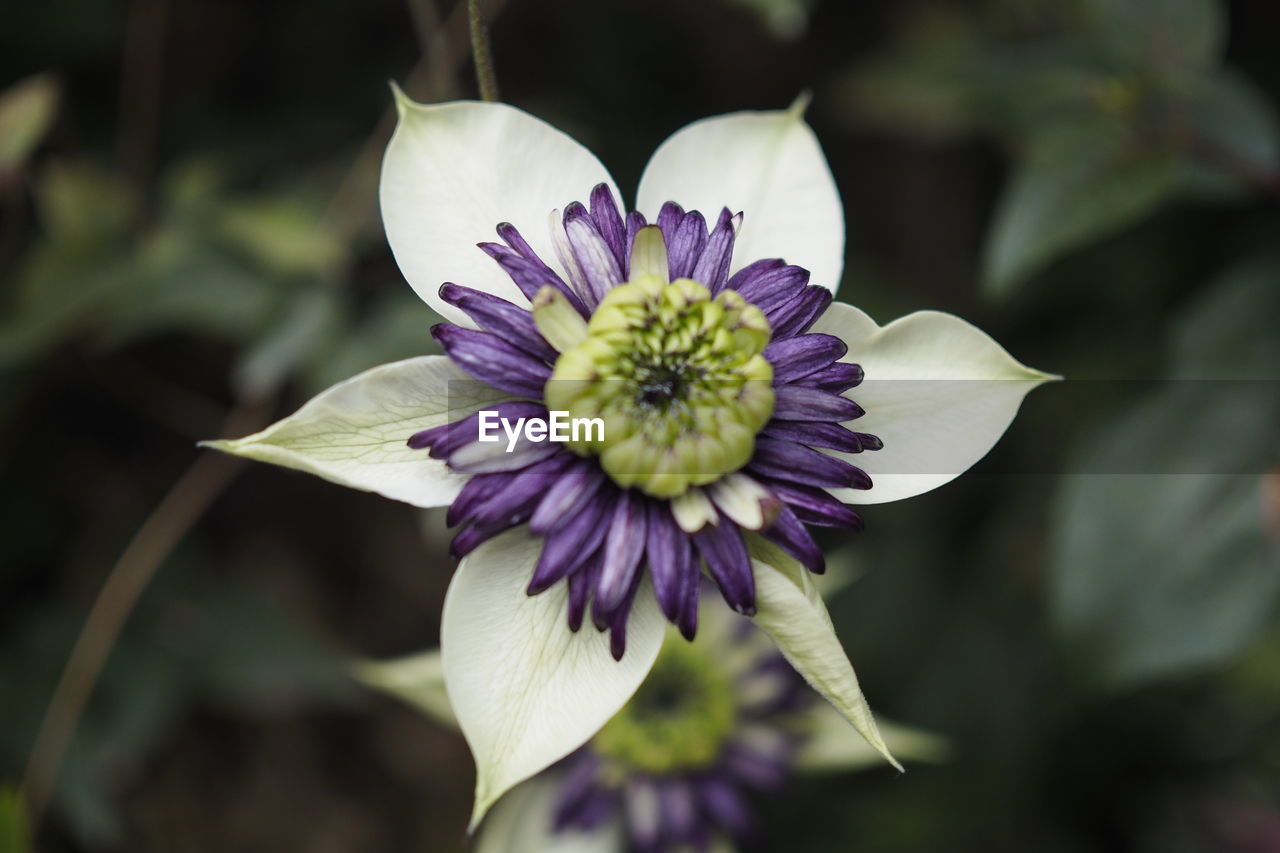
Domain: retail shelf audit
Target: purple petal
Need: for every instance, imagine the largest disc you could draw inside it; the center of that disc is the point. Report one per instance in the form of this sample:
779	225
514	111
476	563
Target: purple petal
567	496
604	212
792	536
663	543
685	244
679	815
575	788
815	434
769	283
581	583
712	268
620	559
726	806
599	267
722	547
800	403
796	315
815	506
795	357
570	545
763	772
836	378
505	319
524	489
618	622
492	360
532	275
795	463
446	439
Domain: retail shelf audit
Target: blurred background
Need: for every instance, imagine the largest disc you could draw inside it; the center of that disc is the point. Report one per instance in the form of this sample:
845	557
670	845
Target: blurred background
190	246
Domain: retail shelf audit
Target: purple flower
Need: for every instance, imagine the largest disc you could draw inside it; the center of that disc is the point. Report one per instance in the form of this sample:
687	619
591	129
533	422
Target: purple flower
719	391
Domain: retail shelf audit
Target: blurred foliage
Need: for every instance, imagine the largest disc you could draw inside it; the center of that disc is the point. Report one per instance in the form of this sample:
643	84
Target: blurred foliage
1100	649
1192	577
14	837
1112	108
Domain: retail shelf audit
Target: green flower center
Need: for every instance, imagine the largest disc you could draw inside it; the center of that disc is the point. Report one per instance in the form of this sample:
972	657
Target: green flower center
679	718
678	379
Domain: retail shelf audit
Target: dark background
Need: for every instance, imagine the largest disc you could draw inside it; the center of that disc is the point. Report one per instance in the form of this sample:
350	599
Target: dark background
193	236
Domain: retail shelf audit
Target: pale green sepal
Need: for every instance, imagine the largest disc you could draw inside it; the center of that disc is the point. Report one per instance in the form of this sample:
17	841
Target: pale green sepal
649	254
454	171
767	166
831	748
355	433
528	691
939	392
416	679
557	320
522	822
790	610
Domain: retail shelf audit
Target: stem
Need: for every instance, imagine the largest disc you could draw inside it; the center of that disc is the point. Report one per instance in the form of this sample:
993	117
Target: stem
486	77
168	523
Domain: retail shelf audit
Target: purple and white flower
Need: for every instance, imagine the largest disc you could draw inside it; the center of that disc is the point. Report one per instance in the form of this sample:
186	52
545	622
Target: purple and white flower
700	329
718	724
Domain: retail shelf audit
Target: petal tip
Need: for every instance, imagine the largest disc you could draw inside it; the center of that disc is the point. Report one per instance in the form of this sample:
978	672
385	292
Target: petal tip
800	105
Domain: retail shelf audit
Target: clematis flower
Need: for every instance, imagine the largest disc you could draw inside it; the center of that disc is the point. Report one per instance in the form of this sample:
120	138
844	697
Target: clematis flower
718	724
699	329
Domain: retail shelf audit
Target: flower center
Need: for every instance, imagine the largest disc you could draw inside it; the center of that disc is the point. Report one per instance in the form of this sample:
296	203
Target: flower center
678	378
679	718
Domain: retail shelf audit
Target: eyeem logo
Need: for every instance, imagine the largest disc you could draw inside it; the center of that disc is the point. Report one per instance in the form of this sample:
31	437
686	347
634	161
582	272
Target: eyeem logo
560	427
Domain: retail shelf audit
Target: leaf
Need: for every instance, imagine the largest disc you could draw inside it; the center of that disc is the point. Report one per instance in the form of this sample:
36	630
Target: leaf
1162	561
1166	39
1229	332
416	679
27	109
1236	130
307	320
790	610
528	691
1074	188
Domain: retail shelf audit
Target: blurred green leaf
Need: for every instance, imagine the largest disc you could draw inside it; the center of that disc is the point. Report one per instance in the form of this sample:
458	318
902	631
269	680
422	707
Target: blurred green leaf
194	637
1229	331
304	324
924	82
1170	40
27	109
75	199
284	234
14	837
1153	573
397	326
1075	186
785	19
1236	134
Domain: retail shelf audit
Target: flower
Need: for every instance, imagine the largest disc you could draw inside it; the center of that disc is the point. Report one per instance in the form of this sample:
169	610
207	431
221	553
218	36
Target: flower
717	723
718	366
711	396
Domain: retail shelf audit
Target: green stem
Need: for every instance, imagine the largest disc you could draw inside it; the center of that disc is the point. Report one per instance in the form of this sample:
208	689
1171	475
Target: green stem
486	77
